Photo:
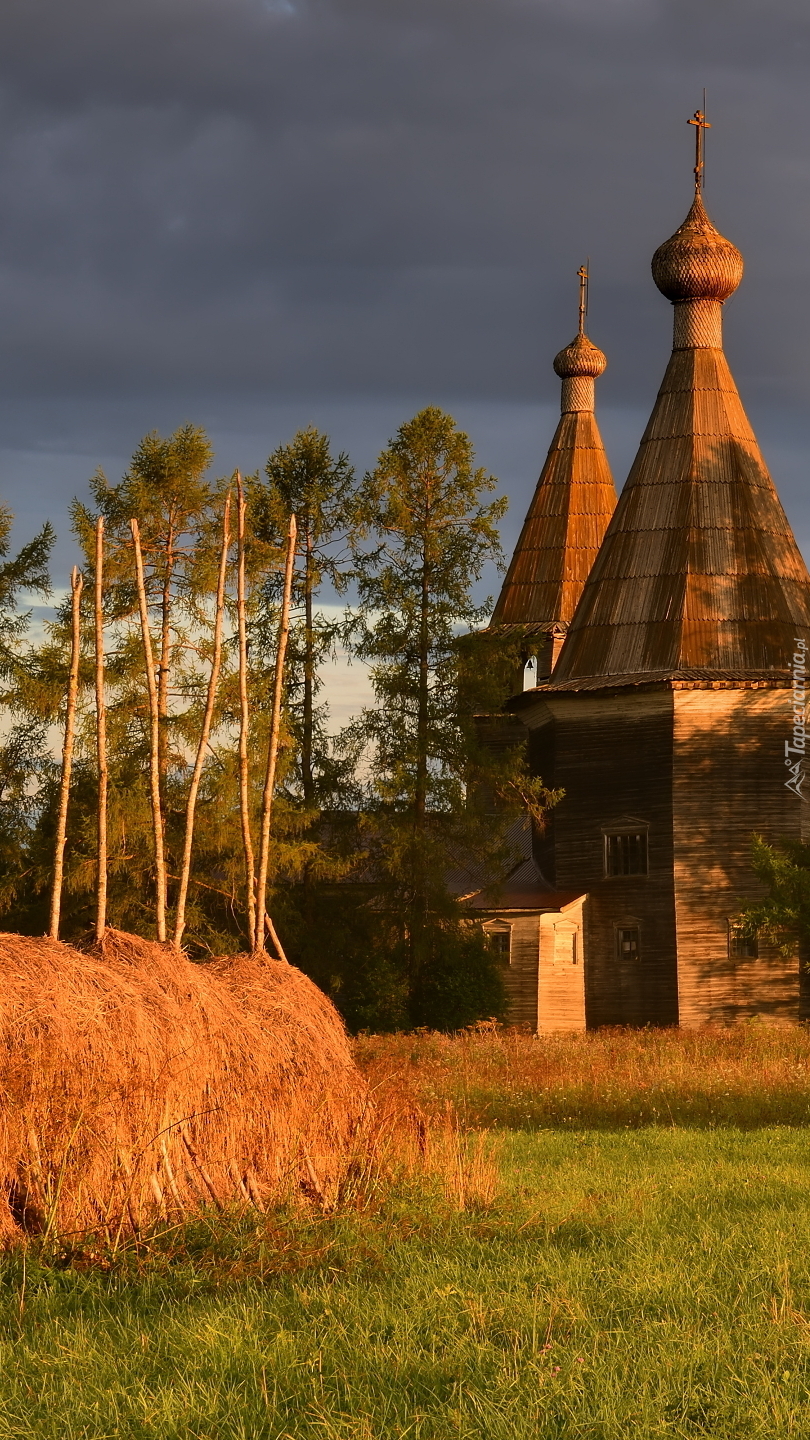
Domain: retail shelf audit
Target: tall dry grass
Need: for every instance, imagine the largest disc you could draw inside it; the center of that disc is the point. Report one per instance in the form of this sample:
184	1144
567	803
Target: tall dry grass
746	1075
135	1085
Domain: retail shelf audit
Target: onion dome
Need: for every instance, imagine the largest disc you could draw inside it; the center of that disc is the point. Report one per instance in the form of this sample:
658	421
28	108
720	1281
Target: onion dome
697	262
581	357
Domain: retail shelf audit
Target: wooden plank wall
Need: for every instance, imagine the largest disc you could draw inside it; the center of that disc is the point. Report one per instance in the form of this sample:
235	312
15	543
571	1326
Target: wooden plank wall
729	781
561	982
520	975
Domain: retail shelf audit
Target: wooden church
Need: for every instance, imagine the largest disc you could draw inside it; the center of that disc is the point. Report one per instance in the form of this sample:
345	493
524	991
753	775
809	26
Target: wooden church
666	631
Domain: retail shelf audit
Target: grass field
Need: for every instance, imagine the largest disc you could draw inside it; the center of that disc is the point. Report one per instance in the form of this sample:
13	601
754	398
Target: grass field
606	1271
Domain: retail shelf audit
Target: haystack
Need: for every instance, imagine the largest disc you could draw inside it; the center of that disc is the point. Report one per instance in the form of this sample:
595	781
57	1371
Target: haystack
135	1085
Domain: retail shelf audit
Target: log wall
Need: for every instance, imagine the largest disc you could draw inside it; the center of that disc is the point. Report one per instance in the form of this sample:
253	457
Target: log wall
520	975
612	754
544	979
561	979
702	769
729	781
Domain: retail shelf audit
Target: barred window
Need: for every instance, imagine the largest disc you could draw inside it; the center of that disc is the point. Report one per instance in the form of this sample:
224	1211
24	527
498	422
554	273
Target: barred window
501	942
626	852
627	947
740	945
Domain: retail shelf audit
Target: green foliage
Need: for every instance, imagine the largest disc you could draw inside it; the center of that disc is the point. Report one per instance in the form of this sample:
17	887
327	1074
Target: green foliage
783	917
338	934
460	981
24	572
24	760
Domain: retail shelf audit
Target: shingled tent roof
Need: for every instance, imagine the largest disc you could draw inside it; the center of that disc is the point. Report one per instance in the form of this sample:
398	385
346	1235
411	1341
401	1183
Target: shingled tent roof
698	569
573	501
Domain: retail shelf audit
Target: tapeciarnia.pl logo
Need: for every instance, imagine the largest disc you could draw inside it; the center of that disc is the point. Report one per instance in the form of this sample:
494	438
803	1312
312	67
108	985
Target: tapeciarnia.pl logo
797	747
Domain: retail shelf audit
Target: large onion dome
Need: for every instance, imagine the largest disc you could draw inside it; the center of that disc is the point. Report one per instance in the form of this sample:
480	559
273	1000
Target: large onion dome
697	262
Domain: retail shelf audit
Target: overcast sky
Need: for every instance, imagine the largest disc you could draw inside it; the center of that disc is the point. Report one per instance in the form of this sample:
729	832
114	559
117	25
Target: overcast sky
261	214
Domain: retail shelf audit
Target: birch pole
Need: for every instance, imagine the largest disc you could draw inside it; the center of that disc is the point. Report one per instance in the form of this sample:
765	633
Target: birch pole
272	749
76	586
154	738
205	731
244	717
101	738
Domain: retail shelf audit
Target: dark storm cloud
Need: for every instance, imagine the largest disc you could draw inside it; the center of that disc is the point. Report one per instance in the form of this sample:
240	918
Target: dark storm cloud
209	203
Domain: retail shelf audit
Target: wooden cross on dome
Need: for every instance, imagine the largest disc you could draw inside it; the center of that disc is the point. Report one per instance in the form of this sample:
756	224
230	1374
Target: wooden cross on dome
700	123
582	272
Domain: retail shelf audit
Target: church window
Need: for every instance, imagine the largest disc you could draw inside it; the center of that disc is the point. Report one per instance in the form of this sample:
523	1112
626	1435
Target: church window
626	852
500	939
627	942
740	945
566	944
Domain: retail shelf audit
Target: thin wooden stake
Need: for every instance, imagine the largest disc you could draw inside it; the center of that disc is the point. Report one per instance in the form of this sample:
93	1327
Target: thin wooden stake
272	749
76	586
213	681
101	738
244	718
154	739
272	932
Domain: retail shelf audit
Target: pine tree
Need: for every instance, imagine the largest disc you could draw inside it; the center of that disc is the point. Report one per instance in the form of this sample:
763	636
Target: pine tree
304	478
24	760
428	530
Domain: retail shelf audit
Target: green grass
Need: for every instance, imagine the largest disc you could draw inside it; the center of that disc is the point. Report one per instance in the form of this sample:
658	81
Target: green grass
648	1282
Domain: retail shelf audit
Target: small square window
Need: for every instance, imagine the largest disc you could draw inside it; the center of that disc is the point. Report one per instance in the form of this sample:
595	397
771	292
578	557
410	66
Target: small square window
626	852
740	945
627	943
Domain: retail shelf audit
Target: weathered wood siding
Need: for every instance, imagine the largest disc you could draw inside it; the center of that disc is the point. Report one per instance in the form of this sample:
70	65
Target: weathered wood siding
612	754
520	975
728	781
561	982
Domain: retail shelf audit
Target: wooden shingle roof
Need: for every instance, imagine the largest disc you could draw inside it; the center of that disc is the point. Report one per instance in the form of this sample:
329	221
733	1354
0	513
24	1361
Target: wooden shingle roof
699	569
573	501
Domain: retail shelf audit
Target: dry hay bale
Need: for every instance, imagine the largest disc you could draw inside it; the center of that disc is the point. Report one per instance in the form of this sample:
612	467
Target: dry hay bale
136	1084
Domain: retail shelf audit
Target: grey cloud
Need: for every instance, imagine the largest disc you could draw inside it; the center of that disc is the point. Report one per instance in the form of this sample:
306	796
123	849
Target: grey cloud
208	204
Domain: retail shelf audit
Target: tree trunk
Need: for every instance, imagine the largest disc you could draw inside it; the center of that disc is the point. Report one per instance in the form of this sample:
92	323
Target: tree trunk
101	738
154	740
76	584
419	888
164	667
307	778
272	749
213	681
244	720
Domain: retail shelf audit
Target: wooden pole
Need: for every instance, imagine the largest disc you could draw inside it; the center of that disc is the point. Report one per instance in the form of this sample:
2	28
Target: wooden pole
273	933
76	586
272	749
154	738
101	738
213	681
244	718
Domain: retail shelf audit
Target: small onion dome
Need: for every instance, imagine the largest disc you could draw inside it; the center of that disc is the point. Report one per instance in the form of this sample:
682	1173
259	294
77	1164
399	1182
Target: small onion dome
697	263
580	358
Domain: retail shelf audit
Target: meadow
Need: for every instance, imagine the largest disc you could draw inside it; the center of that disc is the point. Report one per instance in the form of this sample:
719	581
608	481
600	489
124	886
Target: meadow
597	1236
